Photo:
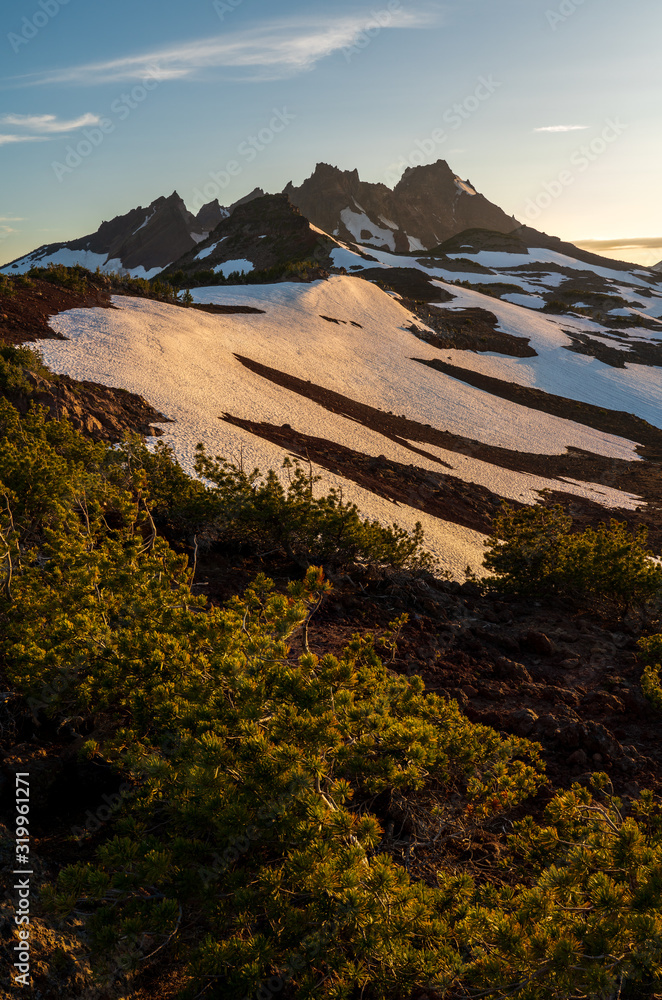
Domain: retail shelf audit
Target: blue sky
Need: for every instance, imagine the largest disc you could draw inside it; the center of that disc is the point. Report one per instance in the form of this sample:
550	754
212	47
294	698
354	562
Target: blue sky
550	107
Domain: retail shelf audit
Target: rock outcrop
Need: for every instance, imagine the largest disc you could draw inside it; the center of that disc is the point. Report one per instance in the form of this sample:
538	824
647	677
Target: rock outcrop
428	205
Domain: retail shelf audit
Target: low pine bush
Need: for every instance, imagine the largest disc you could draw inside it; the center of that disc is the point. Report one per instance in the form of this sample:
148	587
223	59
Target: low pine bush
651	680
251	776
534	550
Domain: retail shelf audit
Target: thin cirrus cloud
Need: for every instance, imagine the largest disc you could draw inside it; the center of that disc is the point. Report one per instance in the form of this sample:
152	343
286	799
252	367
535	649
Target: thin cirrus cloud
40	128
48	123
7	138
562	128
268	52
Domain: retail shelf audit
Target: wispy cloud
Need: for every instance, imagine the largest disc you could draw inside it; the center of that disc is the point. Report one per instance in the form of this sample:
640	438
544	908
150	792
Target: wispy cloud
5	230
48	123
271	51
41	128
5	140
562	128
632	243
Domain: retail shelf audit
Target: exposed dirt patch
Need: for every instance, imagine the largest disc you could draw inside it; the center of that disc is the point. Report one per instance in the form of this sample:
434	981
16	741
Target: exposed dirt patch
218	310
24	315
473	329
102	412
338	322
639	352
559	673
408	282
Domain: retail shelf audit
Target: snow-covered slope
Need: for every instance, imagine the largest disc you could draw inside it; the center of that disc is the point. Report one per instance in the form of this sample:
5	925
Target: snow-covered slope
331	369
605	306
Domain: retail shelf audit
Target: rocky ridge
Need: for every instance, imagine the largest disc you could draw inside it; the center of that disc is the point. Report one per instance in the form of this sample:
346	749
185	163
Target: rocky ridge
265	233
428	205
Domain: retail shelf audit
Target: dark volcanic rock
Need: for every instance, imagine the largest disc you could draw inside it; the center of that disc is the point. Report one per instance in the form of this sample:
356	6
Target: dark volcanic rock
100	411
267	231
538	642
149	237
429	204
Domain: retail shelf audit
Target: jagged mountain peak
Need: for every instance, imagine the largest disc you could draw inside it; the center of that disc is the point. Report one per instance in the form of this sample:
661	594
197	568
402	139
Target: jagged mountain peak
266	232
428	204
142	241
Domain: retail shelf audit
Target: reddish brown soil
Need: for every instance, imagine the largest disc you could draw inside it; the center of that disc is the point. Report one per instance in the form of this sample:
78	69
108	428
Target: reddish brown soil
468	330
638	353
217	310
24	315
409	282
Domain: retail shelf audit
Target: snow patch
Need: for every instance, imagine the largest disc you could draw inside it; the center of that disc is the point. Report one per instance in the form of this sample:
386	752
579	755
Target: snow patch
184	362
227	267
208	250
464	187
358	222
147	219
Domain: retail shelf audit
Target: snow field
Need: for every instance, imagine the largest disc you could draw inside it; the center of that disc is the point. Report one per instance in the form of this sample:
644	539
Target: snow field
183	362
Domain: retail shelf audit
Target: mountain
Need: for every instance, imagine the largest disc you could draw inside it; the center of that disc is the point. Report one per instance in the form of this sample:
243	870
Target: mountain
266	232
142	242
620	305
428	205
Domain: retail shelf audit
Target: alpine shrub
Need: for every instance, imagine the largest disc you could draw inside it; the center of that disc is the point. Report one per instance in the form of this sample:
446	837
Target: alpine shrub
534	550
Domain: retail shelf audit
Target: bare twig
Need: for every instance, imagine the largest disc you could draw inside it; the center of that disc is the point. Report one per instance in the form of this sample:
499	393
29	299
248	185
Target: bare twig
167	940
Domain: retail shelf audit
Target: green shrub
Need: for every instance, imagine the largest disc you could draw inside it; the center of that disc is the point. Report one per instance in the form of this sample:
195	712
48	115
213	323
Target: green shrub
14	361
534	550
651	680
310	529
253	773
76	278
225	738
589	923
258	513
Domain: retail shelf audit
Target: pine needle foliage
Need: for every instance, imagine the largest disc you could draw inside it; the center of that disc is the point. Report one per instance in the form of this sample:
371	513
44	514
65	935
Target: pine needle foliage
534	551
590	923
249	831
651	679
